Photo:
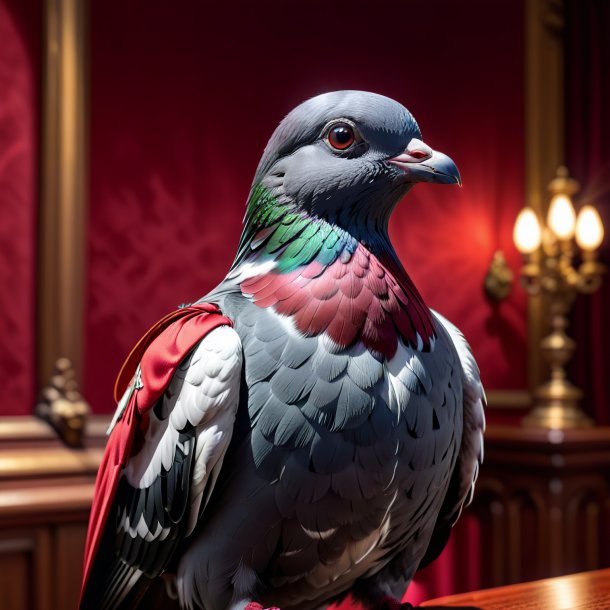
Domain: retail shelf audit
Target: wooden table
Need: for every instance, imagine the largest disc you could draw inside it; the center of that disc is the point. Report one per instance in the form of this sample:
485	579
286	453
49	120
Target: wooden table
584	591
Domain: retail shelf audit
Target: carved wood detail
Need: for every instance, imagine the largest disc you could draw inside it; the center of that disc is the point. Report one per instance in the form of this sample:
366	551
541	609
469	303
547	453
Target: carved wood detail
543	503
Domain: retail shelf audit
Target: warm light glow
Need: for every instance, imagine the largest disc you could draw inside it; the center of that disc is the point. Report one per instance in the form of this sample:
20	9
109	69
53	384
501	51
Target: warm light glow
589	228
527	234
562	217
563	594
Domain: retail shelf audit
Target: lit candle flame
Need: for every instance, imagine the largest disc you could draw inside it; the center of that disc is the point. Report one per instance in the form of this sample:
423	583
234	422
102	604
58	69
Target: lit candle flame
562	217
589	229
527	234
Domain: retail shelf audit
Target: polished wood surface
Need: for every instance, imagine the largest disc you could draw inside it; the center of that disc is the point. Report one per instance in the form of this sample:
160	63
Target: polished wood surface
585	591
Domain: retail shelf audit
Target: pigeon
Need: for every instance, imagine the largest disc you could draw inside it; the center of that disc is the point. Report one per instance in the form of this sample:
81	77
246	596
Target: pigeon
309	429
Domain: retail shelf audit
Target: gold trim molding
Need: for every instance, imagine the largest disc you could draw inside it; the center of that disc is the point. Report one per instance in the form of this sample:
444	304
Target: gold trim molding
544	152
63	204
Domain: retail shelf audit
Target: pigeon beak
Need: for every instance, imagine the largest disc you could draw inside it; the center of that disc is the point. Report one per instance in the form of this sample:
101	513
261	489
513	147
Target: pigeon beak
422	164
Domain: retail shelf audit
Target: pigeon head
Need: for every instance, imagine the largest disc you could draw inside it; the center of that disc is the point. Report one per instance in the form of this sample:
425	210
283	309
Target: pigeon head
316	227
348	157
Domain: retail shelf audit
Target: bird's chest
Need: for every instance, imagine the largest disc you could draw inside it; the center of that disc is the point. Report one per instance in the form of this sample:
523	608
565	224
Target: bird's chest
349	443
344	422
346	293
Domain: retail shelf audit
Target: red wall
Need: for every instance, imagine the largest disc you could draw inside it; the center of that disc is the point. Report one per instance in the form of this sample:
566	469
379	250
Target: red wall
184	99
19	104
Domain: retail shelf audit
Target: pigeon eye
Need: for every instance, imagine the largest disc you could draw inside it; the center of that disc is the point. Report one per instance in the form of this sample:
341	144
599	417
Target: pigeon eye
341	136
418	154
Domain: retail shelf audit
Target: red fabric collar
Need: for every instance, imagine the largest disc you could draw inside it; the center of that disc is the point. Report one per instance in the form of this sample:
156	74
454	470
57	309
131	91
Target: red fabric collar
180	330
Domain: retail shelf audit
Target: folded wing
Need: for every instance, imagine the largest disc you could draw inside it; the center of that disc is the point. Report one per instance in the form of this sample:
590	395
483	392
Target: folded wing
177	446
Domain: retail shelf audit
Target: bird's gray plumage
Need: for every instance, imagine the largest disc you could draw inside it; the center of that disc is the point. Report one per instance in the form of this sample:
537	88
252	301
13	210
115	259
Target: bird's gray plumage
346	464
333	458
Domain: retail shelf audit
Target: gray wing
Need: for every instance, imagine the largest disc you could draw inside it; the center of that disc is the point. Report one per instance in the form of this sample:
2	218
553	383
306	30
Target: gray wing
470	457
167	483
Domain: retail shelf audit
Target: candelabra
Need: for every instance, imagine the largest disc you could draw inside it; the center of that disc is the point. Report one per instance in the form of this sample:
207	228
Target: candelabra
554	267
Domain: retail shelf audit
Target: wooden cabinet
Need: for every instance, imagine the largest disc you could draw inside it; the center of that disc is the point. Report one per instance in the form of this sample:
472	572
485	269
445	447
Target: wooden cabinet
542	504
45	494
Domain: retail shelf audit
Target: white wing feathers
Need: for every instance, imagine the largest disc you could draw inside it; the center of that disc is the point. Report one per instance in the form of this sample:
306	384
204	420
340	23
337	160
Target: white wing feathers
204	394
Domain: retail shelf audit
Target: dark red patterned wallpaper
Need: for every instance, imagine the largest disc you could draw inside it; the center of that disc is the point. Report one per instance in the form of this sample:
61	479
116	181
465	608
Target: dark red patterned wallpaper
184	99
19	78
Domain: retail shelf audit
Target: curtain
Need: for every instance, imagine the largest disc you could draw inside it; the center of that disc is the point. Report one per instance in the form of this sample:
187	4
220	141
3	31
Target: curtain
588	159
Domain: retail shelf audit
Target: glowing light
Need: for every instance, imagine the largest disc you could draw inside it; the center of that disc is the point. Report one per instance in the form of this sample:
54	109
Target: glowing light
527	234
562	217
589	229
563	594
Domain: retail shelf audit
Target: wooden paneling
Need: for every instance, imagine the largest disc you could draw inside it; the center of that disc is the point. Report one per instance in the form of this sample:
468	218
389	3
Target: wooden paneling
45	495
543	503
16	569
69	540
40	566
25	557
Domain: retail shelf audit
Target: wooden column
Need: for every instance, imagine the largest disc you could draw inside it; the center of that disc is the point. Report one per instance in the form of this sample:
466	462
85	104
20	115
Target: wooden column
63	202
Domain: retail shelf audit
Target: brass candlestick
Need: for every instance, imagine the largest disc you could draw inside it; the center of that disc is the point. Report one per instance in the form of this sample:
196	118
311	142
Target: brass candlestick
549	269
